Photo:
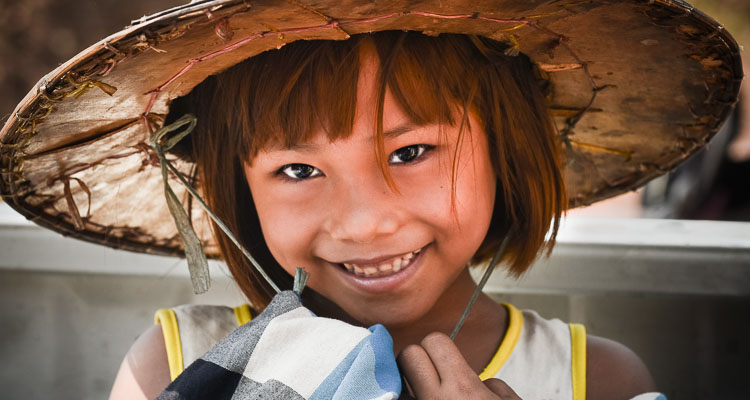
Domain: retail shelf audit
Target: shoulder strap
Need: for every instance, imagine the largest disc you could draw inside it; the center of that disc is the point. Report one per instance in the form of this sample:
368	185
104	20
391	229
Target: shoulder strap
578	360
170	327
168	320
243	314
515	326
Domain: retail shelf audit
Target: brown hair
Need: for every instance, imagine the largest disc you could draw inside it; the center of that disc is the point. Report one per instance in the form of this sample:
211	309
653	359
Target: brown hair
285	96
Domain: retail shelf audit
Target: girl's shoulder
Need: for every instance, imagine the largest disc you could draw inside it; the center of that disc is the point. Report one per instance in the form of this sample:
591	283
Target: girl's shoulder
144	372
575	364
181	335
614	371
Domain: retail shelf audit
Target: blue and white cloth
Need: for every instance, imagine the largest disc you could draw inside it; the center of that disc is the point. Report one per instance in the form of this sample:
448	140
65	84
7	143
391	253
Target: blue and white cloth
288	352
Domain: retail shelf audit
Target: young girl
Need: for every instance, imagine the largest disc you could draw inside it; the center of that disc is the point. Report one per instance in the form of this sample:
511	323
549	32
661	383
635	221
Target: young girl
386	163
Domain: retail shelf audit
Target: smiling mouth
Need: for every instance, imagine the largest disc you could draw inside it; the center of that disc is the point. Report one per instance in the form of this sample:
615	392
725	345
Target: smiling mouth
383	268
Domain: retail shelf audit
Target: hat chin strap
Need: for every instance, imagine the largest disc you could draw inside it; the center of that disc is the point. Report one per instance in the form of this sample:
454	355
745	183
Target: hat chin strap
485	277
196	258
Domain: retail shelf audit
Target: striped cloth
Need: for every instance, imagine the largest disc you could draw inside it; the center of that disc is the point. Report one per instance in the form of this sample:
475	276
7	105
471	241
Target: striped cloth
287	352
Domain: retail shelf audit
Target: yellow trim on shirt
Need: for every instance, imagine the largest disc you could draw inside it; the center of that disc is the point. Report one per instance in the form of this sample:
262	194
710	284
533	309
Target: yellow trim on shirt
168	320
578	360
242	313
515	325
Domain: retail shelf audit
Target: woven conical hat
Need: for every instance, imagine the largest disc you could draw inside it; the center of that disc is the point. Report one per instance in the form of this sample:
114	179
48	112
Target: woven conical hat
637	86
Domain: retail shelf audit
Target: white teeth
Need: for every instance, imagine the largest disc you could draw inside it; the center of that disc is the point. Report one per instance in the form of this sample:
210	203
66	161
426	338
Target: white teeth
397	266
384	269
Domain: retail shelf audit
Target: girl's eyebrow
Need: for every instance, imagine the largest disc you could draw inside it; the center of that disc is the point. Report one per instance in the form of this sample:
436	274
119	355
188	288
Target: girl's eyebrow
399	130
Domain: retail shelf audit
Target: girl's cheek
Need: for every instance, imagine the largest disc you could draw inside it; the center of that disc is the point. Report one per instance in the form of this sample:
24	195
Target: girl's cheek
289	225
282	238
439	192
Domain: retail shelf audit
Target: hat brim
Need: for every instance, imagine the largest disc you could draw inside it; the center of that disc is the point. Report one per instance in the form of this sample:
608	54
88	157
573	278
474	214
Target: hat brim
636	87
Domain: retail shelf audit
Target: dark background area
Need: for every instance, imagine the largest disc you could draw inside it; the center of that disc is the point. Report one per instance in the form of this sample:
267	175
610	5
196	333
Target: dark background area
38	35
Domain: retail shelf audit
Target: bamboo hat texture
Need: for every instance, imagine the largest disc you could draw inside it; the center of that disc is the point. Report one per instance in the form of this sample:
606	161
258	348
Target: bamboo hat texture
636	87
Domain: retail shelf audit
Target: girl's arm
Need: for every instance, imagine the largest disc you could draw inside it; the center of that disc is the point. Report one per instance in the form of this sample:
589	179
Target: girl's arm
144	373
613	371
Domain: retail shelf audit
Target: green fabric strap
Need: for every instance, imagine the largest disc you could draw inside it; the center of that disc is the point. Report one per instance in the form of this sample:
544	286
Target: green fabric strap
300	280
485	277
196	258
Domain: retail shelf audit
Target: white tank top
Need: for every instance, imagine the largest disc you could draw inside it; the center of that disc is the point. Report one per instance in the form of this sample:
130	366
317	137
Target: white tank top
553	350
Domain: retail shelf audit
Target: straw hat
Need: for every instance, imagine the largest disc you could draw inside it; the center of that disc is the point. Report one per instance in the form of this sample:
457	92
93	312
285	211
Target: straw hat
637	86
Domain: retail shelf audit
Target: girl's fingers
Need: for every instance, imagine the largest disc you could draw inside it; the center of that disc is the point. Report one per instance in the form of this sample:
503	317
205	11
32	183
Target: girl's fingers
437	369
419	371
447	358
501	389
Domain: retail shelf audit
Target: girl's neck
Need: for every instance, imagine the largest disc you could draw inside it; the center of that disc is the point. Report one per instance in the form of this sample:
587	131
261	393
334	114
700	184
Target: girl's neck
481	333
478	339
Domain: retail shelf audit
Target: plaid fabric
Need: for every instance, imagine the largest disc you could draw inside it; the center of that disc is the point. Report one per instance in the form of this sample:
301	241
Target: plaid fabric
287	352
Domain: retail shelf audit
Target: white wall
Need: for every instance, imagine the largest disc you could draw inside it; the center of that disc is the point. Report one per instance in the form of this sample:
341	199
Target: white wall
677	293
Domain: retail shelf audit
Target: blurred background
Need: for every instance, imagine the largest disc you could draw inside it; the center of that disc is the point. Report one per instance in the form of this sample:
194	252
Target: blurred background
638	268
713	184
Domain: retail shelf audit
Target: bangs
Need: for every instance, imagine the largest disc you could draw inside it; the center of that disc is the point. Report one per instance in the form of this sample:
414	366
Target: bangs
283	98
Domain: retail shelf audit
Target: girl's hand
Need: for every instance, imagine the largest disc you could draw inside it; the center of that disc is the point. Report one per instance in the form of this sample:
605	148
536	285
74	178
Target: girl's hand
437	370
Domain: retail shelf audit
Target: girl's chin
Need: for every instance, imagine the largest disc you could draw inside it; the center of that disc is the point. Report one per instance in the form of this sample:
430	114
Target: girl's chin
369	315
391	312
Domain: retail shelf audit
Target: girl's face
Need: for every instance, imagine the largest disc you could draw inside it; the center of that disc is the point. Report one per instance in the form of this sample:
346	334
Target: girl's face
383	256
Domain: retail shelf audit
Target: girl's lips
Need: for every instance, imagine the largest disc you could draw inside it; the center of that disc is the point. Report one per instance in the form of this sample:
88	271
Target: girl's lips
387	279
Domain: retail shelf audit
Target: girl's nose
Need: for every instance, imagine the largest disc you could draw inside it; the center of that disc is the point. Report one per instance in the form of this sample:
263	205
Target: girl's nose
362	214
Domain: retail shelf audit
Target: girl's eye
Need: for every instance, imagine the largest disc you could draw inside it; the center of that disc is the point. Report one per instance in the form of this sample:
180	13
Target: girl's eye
409	153
299	171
